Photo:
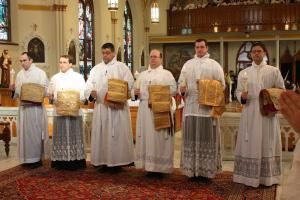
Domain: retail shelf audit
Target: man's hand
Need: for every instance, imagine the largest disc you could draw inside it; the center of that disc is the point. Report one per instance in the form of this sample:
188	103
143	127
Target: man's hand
290	108
12	86
50	96
244	95
137	92
94	94
182	90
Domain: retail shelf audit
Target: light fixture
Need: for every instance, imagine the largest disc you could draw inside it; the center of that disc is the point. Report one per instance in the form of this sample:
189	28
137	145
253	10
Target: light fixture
216	29
154	12
112	5
247	34
286	27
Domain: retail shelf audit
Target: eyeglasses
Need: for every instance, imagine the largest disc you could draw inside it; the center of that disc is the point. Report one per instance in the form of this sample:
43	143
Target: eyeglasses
257	51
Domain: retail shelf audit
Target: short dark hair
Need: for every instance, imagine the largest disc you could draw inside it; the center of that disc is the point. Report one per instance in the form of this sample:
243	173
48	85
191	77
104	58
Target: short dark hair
69	57
201	40
160	53
29	54
108	46
259	44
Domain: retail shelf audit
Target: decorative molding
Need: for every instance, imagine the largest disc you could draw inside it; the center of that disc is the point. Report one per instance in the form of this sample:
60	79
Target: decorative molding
230	37
114	18
54	7
8	43
9	114
59	7
230	122
35	7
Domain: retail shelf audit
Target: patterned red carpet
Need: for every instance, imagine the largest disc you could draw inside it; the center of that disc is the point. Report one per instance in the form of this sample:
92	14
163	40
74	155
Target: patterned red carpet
129	183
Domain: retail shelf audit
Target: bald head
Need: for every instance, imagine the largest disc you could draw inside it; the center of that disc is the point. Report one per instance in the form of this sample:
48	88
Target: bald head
155	58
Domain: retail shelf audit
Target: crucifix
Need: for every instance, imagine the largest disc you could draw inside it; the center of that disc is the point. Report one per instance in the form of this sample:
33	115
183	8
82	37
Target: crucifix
35	27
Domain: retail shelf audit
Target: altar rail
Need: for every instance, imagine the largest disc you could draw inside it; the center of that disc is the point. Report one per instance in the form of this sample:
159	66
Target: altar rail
235	18
229	129
9	114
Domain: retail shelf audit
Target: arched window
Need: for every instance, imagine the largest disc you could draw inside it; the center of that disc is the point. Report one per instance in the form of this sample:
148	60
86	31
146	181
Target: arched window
127	26
243	59
4	20
86	37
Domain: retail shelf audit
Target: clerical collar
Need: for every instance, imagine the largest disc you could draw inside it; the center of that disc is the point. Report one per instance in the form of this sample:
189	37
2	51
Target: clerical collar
112	61
157	68
263	63
68	71
30	68
205	56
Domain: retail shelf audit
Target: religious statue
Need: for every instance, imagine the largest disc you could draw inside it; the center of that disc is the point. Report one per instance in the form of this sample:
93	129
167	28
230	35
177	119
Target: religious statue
5	64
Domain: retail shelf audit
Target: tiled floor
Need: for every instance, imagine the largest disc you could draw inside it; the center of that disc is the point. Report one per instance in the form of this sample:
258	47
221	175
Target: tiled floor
12	160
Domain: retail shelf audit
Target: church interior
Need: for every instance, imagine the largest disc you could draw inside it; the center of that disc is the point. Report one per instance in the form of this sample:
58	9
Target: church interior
51	28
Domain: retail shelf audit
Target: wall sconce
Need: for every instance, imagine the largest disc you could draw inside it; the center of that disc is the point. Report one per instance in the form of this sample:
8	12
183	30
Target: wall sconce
247	34
274	28
229	29
112	5
154	12
286	27
216	29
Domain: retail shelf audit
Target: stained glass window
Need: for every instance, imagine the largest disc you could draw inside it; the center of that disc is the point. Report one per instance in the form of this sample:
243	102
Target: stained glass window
86	36
4	20
127	26
243	57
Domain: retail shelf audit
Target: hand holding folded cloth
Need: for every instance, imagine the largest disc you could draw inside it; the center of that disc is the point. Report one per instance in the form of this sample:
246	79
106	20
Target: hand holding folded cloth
32	93
117	93
269	101
211	93
160	103
68	103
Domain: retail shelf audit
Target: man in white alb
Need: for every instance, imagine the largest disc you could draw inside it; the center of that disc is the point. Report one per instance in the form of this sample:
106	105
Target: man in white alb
112	142
154	148
67	141
258	146
32	123
200	152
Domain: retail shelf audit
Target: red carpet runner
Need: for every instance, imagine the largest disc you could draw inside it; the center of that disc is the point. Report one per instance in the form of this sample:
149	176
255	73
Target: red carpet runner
46	183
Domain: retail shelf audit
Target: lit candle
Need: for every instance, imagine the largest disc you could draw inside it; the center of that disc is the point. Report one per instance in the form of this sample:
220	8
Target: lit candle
138	84
183	82
12	76
94	85
244	80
